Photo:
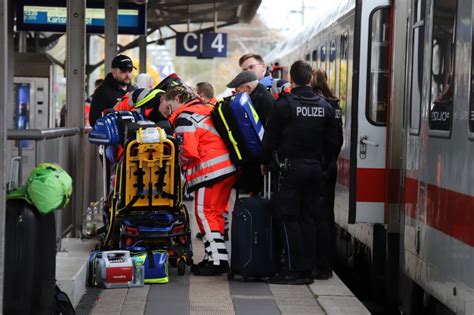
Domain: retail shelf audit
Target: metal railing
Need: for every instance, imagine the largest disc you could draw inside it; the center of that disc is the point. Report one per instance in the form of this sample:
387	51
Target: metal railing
50	145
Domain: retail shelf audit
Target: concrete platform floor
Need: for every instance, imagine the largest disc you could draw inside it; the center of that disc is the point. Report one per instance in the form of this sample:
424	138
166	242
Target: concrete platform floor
194	295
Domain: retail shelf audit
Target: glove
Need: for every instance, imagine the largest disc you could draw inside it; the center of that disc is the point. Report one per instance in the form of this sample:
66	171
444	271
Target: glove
267	81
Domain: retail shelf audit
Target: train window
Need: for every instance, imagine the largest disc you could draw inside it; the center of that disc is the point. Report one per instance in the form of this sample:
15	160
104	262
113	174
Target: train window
315	59
417	66
378	76
343	74
332	64
307	57
323	57
442	67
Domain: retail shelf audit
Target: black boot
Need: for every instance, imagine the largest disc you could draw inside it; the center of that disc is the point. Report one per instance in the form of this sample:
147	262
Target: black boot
207	268
295	278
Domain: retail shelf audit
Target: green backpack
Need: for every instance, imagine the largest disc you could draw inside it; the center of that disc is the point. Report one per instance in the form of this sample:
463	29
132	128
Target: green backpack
48	188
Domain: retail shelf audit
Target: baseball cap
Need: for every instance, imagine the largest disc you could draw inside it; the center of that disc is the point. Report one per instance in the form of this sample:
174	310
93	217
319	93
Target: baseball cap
242	78
123	63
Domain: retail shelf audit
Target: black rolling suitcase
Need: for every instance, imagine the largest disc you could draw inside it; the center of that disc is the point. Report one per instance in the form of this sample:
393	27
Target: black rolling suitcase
253	253
30	260
44	298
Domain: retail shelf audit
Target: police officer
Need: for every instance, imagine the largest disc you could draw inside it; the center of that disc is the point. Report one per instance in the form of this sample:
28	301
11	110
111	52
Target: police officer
301	129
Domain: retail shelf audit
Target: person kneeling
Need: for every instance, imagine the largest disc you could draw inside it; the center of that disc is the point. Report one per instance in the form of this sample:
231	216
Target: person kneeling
208	170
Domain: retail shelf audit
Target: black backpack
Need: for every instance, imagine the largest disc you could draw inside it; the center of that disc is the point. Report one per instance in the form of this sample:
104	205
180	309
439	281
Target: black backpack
63	303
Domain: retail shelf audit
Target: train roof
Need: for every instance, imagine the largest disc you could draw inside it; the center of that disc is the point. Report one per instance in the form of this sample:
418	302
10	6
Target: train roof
304	35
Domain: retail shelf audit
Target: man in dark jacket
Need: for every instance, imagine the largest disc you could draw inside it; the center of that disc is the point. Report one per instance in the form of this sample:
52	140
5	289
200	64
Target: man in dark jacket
254	62
250	179
116	84
262	100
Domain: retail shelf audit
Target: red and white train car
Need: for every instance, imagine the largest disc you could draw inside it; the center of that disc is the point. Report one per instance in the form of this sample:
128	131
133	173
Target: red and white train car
405	196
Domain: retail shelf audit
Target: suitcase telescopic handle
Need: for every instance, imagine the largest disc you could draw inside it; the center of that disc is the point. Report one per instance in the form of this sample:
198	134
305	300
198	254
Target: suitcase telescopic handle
267	184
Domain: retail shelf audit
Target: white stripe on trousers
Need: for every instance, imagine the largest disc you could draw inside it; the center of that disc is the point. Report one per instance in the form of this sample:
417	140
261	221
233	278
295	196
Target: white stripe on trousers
212	250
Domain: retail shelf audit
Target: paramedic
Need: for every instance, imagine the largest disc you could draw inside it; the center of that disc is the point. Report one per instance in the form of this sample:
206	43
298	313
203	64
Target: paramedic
299	132
208	171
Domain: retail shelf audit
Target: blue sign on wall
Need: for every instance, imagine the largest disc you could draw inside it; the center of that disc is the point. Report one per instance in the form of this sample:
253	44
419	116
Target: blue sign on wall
51	16
206	45
214	45
188	44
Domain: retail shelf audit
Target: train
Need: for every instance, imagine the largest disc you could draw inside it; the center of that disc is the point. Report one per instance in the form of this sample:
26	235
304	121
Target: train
403	72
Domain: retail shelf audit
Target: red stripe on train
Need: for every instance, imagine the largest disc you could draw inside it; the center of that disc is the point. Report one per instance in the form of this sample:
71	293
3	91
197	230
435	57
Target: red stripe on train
370	182
446	210
411	197
451	212
370	185
343	168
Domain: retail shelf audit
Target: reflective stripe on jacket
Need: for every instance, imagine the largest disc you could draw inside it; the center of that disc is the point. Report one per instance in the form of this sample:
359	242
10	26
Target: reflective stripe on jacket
203	154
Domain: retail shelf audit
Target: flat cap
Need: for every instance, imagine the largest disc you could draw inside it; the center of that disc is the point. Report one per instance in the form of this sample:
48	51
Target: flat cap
242	78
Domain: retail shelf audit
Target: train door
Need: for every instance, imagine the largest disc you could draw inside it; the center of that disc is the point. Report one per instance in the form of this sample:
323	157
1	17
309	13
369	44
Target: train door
414	189
371	81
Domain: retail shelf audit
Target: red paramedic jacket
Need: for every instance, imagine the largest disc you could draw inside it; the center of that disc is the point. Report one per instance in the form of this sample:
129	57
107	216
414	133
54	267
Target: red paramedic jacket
203	154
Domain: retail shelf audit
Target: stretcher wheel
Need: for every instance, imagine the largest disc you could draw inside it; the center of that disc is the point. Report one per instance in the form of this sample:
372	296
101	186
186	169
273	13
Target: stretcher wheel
230	275
181	266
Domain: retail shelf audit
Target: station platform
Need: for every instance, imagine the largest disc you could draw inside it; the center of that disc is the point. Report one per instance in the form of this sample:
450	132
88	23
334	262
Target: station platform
191	294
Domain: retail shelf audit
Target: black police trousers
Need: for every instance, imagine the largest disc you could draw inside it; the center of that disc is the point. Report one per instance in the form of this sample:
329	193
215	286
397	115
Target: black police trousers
296	203
325	230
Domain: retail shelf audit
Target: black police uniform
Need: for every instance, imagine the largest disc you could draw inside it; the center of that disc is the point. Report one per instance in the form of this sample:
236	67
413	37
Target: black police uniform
301	130
325	230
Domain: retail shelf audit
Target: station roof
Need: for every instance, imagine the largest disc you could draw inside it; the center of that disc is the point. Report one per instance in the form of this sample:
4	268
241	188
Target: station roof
304	36
171	12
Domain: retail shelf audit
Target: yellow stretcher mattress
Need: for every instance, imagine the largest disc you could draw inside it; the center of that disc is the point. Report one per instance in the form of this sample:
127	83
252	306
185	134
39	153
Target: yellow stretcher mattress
150	174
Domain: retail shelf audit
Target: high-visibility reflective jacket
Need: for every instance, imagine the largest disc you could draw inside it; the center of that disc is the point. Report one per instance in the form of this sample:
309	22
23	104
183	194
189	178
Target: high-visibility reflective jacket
203	154
123	104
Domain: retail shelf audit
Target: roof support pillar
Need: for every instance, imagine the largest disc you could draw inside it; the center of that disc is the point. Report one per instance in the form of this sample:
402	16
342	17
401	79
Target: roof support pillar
111	31
142	45
75	94
6	97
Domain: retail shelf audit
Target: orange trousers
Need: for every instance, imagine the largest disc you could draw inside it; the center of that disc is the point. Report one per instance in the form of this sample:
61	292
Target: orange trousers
210	204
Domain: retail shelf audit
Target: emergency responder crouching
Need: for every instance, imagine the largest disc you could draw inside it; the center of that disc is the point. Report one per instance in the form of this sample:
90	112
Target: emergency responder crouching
301	129
208	171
